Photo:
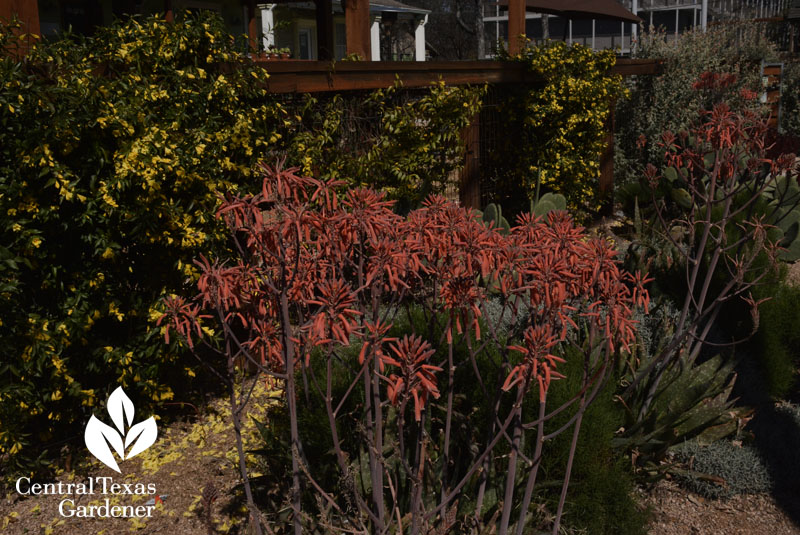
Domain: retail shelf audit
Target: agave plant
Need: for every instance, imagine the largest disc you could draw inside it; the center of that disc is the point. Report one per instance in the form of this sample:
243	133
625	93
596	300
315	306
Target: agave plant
692	402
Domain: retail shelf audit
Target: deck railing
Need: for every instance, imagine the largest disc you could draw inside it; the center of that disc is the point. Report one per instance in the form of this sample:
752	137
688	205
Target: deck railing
298	76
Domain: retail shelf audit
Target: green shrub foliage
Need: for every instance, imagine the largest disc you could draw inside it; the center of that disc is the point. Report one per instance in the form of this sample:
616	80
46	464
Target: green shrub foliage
790	99
114	150
600	499
404	144
668	102
777	341
722	469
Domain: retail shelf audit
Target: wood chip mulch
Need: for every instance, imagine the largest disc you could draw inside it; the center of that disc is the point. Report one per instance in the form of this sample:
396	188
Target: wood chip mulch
678	512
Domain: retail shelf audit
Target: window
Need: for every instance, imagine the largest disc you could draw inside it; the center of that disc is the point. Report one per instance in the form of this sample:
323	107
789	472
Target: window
340	41
306	43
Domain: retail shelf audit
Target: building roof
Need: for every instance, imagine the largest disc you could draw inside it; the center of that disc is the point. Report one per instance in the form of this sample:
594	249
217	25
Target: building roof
380	6
394	5
580	9
794	10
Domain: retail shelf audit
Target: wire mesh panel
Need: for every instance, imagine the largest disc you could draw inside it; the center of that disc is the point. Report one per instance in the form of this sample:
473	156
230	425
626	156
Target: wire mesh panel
490	126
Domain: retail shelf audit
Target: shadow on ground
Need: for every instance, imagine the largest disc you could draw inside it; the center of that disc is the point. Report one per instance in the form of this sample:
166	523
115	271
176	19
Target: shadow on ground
776	427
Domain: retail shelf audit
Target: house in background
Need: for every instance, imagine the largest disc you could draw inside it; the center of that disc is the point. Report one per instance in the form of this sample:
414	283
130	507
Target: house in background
397	31
322	29
673	16
83	16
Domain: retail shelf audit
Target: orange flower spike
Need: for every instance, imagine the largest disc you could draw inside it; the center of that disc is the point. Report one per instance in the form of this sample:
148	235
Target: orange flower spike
417	406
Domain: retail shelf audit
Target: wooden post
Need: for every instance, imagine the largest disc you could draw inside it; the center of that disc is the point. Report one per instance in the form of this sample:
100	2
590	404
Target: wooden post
26	11
356	20
469	188
169	14
252	27
773	73
325	29
28	14
606	183
516	25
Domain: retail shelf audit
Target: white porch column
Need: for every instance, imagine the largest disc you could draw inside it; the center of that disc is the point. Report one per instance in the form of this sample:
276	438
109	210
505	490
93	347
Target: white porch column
704	15
267	25
419	38
375	38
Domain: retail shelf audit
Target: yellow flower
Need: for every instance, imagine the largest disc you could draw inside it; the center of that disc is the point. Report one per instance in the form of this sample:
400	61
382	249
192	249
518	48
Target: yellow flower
114	311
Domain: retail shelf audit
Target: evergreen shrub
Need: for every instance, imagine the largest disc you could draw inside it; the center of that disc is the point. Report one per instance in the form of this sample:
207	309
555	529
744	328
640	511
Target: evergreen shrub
669	102
722	469
114	151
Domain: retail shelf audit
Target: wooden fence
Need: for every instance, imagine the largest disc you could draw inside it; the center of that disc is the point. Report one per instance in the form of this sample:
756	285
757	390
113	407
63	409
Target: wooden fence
297	76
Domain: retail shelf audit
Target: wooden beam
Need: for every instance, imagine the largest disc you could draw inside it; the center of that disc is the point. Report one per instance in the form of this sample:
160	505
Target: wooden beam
169	13
299	76
325	30
356	20
28	14
631	67
516	25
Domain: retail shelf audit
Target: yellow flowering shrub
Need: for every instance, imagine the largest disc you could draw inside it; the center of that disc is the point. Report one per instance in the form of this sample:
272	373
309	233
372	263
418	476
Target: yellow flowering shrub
558	125
407	146
113	151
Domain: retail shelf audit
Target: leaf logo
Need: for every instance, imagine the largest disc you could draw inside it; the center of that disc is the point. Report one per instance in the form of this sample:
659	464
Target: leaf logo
98	436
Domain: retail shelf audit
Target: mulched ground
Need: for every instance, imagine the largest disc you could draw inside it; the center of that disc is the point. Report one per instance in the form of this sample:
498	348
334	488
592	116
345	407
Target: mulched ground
189	456
184	460
678	512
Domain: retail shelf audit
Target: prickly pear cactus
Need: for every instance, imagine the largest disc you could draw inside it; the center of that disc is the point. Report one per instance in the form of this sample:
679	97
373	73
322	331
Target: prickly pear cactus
493	215
548	203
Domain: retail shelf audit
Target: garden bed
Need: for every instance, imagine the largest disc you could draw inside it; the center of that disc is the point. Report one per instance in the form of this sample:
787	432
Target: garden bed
192	454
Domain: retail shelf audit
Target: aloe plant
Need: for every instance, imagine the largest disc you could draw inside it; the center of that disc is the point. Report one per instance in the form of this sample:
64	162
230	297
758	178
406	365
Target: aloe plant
692	401
783	197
